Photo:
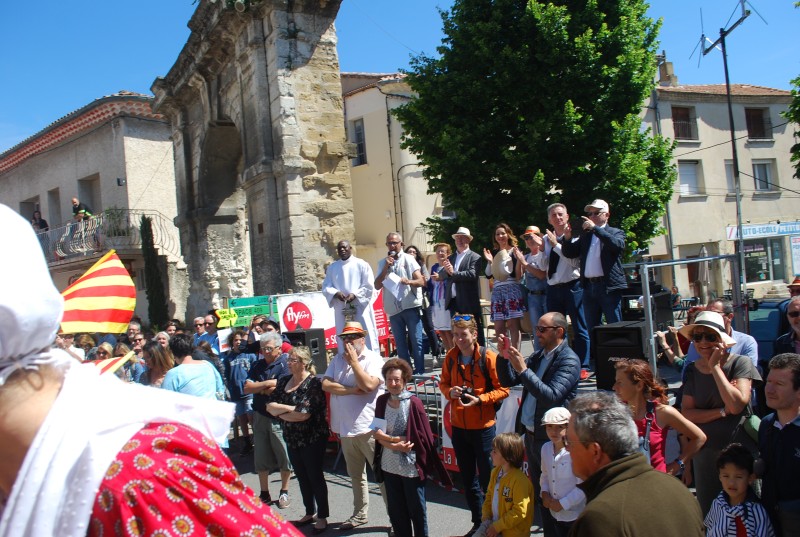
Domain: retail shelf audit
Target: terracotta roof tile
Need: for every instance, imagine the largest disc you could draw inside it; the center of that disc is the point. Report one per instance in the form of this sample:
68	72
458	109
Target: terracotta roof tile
719	89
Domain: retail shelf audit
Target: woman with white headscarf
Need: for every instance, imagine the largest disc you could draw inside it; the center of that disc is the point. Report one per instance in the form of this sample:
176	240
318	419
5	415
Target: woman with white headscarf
82	453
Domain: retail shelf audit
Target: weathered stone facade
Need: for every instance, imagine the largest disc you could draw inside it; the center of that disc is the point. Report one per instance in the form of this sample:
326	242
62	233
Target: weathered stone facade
264	192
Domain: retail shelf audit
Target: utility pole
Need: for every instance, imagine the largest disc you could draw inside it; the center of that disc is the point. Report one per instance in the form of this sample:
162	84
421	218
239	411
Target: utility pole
723	33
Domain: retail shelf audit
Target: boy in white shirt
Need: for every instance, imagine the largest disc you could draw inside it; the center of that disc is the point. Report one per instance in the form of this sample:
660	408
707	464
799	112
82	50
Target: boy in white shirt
562	499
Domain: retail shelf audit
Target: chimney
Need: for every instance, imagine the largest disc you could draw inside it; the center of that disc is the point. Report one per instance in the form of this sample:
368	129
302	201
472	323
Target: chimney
666	75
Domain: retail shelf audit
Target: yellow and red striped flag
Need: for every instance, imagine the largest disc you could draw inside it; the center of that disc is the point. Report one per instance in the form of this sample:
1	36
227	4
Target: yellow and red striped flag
110	365
102	300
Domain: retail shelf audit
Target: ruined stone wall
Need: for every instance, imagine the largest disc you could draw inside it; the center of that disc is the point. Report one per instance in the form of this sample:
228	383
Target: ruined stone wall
255	103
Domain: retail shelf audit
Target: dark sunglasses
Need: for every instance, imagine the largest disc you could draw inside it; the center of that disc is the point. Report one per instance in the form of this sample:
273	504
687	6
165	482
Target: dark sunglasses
543	329
708	336
463	318
207	324
594	213
198	324
794	314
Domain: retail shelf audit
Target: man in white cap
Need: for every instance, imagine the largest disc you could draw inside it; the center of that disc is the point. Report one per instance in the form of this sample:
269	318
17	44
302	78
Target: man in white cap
600	248
355	381
463	290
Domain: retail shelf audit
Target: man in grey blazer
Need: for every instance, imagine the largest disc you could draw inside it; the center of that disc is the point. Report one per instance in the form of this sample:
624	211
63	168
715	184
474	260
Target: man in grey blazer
460	270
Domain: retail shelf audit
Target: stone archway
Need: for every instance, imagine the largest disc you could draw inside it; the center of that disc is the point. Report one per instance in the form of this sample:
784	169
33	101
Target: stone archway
264	189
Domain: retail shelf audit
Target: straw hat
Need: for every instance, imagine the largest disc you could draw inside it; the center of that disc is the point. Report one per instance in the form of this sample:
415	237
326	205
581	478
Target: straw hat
462	232
796	282
352	328
556	416
531	230
712	320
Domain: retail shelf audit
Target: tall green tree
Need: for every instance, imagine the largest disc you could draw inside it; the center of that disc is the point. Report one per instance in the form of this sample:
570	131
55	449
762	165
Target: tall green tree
793	115
157	309
533	102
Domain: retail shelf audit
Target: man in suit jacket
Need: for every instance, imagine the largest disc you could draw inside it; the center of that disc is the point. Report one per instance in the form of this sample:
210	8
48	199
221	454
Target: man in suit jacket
463	291
549	379
600	248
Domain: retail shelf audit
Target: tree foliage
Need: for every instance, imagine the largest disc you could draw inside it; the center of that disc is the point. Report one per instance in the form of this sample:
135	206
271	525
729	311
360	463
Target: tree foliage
793	115
533	102
157	309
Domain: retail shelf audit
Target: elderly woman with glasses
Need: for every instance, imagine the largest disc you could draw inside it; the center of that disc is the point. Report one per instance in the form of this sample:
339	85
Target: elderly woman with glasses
716	397
299	402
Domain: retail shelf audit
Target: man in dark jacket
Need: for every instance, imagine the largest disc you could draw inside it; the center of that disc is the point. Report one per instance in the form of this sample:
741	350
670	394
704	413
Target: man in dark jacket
600	249
549	378
460	271
624	494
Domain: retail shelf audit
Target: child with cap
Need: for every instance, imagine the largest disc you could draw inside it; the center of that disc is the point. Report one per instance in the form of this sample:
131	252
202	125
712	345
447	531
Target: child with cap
561	496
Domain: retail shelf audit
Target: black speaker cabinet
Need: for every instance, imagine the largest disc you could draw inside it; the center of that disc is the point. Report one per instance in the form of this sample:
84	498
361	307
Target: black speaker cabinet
314	339
624	339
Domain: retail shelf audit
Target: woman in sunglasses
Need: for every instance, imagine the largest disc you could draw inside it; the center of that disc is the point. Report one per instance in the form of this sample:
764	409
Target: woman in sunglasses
716	397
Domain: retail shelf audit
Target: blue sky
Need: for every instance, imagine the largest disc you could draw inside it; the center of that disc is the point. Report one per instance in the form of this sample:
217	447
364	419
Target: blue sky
57	56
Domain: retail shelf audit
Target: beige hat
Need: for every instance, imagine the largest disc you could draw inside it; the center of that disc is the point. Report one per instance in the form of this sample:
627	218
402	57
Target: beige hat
795	283
531	230
462	232
598	204
708	319
352	328
556	416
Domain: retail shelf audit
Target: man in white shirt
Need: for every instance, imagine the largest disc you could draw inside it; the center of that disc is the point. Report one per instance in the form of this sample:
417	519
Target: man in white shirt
348	288
402	300
564	288
354	381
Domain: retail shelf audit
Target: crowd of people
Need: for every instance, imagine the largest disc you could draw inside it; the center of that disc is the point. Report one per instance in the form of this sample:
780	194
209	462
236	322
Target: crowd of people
596	462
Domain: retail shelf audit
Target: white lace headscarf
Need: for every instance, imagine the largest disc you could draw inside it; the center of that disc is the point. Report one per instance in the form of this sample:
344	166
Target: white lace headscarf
30	305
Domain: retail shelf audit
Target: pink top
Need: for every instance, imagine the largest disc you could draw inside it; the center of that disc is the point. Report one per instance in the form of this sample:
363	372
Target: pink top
658	443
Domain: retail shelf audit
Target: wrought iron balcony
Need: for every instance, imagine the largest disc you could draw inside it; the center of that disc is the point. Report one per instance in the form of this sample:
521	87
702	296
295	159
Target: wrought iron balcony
114	228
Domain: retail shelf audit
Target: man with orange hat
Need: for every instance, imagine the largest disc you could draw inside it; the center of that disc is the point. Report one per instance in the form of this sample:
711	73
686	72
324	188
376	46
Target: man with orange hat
355	381
534	280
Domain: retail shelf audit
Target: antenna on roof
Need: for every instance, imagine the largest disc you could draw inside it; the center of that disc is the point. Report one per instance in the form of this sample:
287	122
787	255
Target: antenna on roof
723	33
702	40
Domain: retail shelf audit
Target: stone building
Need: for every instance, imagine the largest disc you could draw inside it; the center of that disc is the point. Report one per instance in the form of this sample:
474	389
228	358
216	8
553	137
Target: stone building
261	158
114	155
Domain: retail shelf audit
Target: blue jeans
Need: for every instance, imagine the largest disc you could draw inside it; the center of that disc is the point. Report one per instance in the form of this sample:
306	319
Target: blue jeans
567	299
473	449
598	302
537	306
406	505
410	320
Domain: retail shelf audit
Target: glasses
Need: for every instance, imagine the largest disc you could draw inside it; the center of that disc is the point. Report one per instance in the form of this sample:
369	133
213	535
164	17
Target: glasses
350	337
543	329
207	324
594	213
267	349
102	353
392	243
462	317
138	339
708	336
293	361
198	324
794	314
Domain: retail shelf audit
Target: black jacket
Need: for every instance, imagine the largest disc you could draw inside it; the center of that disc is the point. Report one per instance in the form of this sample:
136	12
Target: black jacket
558	385
613	245
468	291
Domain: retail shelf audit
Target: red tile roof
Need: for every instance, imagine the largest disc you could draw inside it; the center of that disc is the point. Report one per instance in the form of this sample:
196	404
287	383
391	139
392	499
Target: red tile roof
719	89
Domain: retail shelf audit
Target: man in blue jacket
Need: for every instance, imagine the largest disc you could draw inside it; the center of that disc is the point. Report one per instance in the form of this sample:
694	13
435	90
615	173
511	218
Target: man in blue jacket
600	249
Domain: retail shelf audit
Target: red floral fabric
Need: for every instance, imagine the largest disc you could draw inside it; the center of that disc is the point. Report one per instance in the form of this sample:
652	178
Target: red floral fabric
170	480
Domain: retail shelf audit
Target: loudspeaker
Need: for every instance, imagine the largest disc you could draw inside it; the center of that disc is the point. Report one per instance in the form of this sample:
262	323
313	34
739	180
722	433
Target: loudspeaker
662	309
624	339
314	339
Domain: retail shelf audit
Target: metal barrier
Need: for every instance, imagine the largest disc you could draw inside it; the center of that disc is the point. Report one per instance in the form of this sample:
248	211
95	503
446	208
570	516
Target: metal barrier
426	387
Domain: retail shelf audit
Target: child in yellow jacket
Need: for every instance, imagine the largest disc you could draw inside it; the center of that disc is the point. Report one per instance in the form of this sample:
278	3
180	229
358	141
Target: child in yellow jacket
508	507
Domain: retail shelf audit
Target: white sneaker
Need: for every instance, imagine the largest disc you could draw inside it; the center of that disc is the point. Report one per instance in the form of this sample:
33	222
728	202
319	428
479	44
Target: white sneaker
283	500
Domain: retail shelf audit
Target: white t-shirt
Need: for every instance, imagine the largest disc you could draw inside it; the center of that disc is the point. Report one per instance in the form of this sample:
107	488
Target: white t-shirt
351	415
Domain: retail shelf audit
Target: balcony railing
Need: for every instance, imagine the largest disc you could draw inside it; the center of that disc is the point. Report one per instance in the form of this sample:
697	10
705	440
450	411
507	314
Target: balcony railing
685	129
115	228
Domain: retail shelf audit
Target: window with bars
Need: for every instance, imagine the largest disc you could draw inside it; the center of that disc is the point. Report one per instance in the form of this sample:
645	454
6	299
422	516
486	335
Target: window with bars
759	124
684	123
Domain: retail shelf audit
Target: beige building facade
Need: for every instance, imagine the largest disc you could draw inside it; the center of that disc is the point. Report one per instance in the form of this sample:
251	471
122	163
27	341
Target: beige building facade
115	156
702	215
389	192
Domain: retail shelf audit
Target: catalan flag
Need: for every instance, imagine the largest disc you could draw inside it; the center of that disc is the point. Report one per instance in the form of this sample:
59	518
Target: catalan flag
102	300
110	365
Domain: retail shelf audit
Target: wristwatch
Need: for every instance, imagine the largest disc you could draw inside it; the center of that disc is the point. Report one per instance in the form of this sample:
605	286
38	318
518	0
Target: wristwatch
722	412
680	463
